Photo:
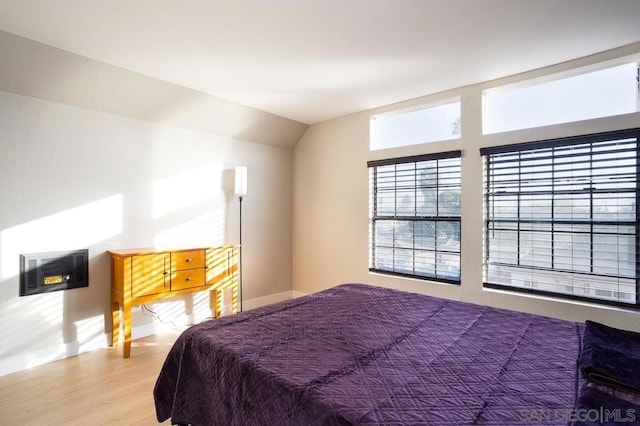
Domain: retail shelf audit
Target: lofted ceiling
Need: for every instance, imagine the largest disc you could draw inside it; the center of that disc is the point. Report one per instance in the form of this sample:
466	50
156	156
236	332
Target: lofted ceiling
313	60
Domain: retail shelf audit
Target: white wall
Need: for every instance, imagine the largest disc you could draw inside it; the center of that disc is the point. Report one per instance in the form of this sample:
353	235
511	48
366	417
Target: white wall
71	178
99	157
330	199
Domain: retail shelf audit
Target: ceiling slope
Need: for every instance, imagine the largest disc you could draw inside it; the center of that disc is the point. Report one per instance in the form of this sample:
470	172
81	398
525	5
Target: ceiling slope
314	60
34	69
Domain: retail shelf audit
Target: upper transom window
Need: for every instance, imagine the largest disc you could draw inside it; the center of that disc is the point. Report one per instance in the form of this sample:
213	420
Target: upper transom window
604	93
428	123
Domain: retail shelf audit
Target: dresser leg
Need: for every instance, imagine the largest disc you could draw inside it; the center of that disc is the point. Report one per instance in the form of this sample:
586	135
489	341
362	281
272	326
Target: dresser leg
213	303
115	323
235	299
126	316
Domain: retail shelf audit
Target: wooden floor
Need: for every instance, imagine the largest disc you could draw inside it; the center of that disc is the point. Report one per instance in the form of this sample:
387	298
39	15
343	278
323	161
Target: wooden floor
96	388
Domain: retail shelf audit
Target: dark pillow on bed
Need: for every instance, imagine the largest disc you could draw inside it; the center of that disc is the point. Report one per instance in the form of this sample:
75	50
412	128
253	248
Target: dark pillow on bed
611	357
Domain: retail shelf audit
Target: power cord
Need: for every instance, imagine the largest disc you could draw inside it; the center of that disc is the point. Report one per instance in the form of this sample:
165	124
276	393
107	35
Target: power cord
147	311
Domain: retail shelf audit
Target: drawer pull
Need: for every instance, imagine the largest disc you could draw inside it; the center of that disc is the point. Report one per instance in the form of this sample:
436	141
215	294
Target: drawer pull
188	259
188	279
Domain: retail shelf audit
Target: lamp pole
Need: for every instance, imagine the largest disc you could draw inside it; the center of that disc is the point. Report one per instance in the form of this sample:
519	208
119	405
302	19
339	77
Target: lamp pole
241	191
240	261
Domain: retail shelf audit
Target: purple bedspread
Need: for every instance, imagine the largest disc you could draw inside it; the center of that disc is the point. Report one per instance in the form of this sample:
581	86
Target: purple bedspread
357	354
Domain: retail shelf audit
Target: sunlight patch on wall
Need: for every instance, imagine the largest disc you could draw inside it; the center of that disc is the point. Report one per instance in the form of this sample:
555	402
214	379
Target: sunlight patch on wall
203	231
41	309
40	315
201	307
186	189
49	306
180	311
78	227
175	312
90	333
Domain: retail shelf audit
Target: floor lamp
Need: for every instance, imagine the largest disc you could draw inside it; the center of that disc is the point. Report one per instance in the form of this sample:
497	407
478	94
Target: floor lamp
241	191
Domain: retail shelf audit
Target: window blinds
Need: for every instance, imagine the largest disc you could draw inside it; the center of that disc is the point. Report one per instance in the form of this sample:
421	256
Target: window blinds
415	216
561	216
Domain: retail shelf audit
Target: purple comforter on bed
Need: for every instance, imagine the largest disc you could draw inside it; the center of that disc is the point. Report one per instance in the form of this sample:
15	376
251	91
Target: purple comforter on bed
357	354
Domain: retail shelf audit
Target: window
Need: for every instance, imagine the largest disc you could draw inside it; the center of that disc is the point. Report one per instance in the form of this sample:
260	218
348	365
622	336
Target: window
415	216
563	214
411	127
604	93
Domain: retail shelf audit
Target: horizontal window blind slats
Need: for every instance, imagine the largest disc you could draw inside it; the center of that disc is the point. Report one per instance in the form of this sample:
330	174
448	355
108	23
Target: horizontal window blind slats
568	141
563	218
415	159
563	156
419	218
524	193
415	216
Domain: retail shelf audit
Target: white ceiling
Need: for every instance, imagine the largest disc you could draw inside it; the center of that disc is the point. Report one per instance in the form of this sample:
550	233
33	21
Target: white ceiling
312	60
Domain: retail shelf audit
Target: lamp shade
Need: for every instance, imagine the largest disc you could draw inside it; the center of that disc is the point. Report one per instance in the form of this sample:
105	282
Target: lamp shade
241	180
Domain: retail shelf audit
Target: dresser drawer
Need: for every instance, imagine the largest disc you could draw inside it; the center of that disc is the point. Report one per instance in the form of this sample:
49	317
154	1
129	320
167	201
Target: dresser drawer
188	259
187	278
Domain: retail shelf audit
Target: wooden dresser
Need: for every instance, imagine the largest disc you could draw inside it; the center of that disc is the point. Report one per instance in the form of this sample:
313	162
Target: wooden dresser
140	276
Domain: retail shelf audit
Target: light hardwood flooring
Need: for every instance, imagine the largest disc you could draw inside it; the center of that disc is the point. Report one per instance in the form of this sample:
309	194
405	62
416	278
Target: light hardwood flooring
95	388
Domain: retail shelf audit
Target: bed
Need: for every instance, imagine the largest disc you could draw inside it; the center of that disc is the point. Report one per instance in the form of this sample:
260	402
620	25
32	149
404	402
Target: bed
359	354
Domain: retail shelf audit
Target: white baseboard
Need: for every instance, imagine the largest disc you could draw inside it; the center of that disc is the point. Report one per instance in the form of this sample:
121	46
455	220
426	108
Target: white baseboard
43	356
258	302
138	332
296	294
